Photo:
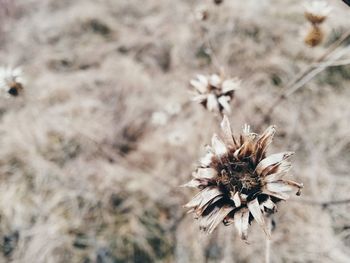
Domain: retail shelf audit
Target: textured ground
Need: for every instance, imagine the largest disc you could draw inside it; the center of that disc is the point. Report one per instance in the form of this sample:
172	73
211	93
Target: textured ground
86	173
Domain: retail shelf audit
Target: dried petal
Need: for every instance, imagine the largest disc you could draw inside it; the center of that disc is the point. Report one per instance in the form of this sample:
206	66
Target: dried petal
254	208
230	85
224	102
212	103
272	160
241	220
218	145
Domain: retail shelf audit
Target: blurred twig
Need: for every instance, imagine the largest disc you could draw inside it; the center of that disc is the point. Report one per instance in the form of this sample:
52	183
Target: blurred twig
310	72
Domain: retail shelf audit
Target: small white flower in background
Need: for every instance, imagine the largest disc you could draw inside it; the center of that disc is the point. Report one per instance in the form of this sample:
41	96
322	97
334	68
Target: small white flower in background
214	92
317	11
11	81
159	118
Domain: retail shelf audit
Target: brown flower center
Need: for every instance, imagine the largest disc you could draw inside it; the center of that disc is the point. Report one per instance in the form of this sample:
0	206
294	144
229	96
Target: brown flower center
236	175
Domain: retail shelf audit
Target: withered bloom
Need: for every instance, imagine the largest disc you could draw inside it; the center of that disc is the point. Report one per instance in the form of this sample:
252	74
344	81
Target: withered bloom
238	182
317	11
11	80
314	36
214	92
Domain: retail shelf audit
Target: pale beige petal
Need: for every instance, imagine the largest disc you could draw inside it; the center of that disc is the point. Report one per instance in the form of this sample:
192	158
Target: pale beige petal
215	80
282	196
200	98
226	130
199	86
218	145
212	103
254	209
269	204
205	173
282	186
224	102
272	160
266	138
241	220
203	79
194	183
274	177
230	85
236	199
218	217
203	197
206	160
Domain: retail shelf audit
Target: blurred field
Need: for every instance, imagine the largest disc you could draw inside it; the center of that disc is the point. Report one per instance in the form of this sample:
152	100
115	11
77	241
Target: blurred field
88	175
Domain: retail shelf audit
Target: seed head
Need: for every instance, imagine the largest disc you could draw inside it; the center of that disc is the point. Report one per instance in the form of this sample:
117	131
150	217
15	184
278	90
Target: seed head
238	182
314	36
11	81
215	93
317	11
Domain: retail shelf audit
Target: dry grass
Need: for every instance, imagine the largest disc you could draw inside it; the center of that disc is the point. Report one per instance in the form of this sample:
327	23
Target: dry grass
86	177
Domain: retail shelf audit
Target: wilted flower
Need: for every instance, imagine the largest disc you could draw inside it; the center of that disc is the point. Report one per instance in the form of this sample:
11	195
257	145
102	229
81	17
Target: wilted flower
215	93
317	11
11	80
238	182
314	36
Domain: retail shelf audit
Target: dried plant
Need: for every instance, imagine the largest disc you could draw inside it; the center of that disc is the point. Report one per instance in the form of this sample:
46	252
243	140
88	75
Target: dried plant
238	182
215	92
316	12
314	36
11	81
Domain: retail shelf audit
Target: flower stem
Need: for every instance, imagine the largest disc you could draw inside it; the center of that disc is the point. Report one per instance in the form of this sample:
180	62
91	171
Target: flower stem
268	241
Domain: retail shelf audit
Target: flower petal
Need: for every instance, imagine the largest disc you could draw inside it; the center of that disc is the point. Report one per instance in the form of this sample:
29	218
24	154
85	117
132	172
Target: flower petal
272	160
241	220
212	103
218	145
214	218
254	209
203	197
208	173
283	186
274	177
236	199
215	80
200	98
230	85
224	102
226	130
199	86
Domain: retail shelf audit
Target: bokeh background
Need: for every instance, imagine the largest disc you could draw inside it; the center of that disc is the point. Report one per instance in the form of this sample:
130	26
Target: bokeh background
93	153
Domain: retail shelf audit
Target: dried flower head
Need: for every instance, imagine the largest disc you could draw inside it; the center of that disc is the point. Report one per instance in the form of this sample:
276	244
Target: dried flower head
314	36
215	93
238	182
317	11
11	80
